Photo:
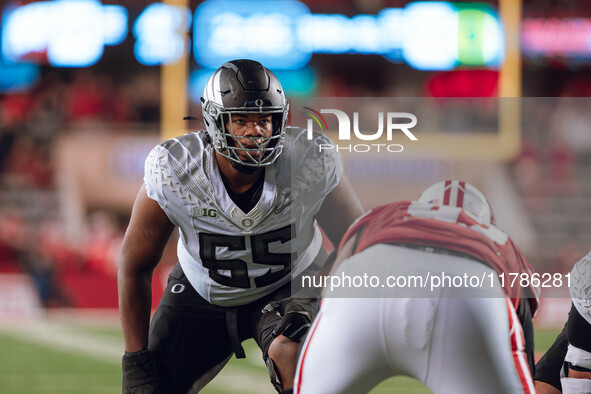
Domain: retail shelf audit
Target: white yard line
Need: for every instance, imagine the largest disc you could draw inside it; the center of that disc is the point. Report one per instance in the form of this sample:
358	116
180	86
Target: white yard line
62	337
238	380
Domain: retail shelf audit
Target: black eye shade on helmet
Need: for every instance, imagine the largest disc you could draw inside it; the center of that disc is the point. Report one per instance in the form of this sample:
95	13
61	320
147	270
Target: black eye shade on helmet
238	87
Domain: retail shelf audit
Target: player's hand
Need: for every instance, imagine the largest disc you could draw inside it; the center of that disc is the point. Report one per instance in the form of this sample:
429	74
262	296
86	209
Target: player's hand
297	316
140	374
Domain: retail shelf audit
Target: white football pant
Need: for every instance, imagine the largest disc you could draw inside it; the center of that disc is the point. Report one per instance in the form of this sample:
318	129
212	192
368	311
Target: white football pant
458	341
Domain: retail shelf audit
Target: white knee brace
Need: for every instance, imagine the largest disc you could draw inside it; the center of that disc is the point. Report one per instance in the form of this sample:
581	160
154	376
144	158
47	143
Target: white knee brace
578	357
575	386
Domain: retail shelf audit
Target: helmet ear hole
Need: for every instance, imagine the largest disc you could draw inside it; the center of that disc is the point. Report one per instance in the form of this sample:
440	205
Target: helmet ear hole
221	122
277	121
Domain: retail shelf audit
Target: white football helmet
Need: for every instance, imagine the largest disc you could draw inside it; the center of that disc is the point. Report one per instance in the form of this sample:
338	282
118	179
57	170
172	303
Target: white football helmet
239	87
460	194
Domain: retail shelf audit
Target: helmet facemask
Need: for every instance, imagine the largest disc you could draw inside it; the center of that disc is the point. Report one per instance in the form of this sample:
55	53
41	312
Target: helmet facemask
260	150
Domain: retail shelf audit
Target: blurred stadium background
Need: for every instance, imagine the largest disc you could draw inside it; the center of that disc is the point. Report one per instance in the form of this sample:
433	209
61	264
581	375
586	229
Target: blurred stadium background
88	87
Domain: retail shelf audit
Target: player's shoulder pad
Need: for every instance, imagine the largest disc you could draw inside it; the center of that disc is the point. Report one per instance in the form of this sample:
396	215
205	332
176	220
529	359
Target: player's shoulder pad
311	147
301	140
190	146
581	278
174	159
310	158
580	289
193	142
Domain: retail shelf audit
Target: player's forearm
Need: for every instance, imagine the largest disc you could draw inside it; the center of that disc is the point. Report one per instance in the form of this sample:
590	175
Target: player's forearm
339	210
135	301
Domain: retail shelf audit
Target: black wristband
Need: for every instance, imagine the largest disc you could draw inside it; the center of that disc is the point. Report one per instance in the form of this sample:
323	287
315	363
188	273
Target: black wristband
577	367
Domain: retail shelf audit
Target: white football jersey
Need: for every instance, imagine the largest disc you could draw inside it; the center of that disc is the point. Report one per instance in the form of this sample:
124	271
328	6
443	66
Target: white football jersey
229	256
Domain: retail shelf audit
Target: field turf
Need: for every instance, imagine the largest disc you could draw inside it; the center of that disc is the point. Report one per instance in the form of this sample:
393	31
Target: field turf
77	357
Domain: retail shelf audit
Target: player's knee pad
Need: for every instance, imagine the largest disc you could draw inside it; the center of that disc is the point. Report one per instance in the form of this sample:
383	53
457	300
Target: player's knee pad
578	358
574	385
274	375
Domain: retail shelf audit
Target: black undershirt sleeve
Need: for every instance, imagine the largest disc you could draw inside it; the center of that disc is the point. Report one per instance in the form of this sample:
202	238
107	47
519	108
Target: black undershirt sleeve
525	318
548	367
579	330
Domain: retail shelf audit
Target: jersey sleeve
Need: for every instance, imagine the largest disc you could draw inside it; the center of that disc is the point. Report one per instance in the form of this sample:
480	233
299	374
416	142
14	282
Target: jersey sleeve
157	178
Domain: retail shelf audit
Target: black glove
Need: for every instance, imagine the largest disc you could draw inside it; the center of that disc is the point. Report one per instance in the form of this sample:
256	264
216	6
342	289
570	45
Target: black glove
140	374
297	316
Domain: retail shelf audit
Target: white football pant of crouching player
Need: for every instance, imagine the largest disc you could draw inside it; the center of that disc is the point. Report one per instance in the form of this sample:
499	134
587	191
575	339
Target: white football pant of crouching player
456	340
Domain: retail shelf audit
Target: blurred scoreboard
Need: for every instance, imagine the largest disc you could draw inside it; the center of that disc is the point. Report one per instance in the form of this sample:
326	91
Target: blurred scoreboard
282	34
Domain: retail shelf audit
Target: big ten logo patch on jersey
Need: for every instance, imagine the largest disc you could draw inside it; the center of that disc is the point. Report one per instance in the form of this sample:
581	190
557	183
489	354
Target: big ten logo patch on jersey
205	212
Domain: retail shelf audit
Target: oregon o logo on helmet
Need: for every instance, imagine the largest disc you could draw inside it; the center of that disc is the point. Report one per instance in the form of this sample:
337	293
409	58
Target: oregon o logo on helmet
393	123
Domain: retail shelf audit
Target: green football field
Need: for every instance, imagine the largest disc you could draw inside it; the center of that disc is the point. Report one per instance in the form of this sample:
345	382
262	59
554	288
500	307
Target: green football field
84	357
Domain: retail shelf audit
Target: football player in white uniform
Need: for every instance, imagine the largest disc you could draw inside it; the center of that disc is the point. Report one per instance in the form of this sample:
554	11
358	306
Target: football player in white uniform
456	339
566	366
246	195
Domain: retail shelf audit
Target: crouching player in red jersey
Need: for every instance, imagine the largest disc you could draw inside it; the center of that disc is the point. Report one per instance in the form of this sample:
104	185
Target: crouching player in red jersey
468	336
